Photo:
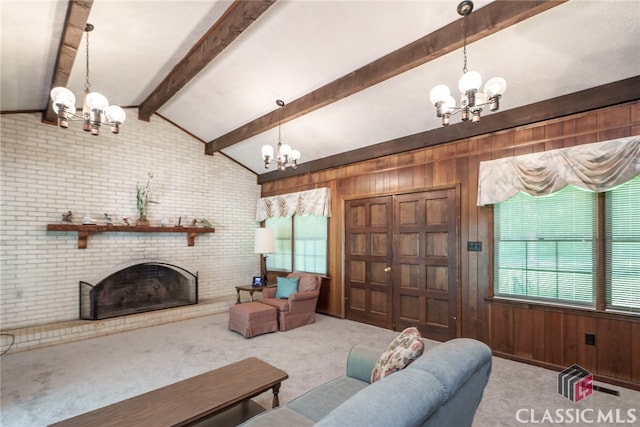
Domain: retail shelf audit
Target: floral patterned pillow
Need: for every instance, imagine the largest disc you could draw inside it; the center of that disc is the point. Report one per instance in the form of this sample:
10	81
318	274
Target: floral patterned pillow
403	350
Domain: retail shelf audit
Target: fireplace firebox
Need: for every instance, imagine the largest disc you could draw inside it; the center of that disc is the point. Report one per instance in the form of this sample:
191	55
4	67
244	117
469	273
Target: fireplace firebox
138	288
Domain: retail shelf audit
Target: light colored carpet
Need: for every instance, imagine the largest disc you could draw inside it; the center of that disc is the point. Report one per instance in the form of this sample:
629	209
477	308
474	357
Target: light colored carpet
42	386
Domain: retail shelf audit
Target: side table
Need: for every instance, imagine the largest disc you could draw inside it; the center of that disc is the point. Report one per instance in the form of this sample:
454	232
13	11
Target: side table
251	290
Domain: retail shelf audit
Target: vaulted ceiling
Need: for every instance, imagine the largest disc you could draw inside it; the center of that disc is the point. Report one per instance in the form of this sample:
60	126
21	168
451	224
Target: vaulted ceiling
353	74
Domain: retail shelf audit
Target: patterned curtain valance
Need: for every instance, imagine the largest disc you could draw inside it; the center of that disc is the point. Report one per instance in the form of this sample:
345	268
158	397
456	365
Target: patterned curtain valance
596	167
312	202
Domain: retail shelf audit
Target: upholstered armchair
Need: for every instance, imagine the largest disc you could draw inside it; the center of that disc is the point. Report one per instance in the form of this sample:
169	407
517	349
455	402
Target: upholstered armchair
300	307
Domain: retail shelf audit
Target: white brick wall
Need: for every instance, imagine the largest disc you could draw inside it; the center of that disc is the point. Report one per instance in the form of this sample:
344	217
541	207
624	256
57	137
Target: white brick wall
46	171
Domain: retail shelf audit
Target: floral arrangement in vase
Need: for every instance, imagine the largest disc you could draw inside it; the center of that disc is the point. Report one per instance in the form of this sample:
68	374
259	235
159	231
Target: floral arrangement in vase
143	198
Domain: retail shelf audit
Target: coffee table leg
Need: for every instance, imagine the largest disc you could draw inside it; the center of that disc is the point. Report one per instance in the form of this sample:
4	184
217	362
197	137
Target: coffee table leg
238	300
276	390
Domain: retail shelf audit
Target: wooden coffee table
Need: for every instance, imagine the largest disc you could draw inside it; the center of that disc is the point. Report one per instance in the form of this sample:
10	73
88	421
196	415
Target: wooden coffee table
189	401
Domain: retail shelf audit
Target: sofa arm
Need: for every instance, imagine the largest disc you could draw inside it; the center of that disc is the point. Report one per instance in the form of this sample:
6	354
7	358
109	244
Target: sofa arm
361	361
269	292
301	296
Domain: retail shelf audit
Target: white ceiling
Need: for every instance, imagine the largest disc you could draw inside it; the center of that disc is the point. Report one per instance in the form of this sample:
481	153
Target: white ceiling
298	46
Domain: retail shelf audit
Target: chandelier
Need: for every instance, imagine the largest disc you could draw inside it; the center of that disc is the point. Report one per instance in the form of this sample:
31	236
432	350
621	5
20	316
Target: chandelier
472	101
95	106
286	157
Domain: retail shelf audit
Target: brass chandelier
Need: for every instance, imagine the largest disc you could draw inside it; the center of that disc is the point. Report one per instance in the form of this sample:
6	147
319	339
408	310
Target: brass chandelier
95	106
285	155
472	101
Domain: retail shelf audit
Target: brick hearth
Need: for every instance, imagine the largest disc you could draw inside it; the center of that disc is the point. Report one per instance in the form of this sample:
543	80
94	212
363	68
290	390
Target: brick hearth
32	337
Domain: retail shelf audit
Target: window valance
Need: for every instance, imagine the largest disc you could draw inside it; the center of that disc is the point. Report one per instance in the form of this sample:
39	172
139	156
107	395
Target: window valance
596	167
312	202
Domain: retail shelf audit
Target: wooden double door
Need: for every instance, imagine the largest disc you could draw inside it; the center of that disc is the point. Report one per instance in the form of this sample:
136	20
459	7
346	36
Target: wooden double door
401	262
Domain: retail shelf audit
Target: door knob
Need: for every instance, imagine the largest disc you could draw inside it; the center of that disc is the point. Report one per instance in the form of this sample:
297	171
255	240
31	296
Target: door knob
388	269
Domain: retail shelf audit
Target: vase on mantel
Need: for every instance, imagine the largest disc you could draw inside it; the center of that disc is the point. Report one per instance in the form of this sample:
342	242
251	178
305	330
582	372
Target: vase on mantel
142	221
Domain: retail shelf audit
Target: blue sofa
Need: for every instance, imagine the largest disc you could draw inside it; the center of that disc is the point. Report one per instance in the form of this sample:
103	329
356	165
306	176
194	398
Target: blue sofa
443	387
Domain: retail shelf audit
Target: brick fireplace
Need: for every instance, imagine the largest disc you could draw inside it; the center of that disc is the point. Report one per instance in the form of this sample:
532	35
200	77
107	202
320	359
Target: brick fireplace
138	288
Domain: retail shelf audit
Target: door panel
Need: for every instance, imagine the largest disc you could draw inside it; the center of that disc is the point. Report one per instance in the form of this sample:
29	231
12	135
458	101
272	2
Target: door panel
425	266
368	240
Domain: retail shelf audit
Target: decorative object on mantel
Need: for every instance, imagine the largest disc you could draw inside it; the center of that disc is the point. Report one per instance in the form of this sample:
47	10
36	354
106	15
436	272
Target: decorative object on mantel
286	157
205	223
95	107
107	218
125	219
67	217
143	198
472	101
87	220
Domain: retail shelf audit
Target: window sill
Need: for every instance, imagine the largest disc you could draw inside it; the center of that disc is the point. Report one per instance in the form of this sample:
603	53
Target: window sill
568	309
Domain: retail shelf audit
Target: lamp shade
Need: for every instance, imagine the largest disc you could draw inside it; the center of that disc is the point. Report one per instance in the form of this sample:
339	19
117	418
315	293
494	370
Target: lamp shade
267	151
469	81
97	101
495	86
439	93
294	155
265	241
285	149
62	95
115	114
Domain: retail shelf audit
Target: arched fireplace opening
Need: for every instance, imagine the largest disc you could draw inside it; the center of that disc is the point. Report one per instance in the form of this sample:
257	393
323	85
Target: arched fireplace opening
138	288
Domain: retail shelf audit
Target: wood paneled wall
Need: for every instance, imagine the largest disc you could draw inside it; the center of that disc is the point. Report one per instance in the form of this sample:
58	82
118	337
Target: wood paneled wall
457	162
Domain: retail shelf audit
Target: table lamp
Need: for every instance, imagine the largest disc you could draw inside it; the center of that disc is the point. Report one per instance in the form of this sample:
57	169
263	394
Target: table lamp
265	243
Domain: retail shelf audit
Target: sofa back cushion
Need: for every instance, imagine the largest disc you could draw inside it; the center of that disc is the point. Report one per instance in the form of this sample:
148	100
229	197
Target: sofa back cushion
404	399
454	362
443	387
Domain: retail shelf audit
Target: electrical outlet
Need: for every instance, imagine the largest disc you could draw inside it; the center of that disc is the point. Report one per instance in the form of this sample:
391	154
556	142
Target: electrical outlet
590	339
19	294
474	246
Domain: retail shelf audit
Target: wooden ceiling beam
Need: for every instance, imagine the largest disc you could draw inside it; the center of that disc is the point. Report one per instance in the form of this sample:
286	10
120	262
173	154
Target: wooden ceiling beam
620	92
240	15
487	20
74	25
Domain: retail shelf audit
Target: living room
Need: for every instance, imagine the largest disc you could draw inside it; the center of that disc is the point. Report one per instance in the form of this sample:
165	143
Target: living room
48	171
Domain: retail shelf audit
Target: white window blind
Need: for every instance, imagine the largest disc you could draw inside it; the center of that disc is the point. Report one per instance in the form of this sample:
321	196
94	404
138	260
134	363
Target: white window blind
301	243
310	245
281	259
545	246
622	231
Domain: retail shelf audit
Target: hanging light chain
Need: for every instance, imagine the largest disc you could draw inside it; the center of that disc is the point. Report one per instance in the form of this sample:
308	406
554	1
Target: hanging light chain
280	123
464	43
87	84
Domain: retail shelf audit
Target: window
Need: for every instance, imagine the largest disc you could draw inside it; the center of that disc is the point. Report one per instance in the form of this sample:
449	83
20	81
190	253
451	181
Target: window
301	244
545	247
622	231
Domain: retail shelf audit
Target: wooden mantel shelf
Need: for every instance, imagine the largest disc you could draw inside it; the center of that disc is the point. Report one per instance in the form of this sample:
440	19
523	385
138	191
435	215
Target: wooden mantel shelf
85	230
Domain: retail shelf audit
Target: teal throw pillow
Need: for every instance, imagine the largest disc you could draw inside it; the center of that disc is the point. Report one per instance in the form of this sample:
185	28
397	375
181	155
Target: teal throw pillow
286	286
